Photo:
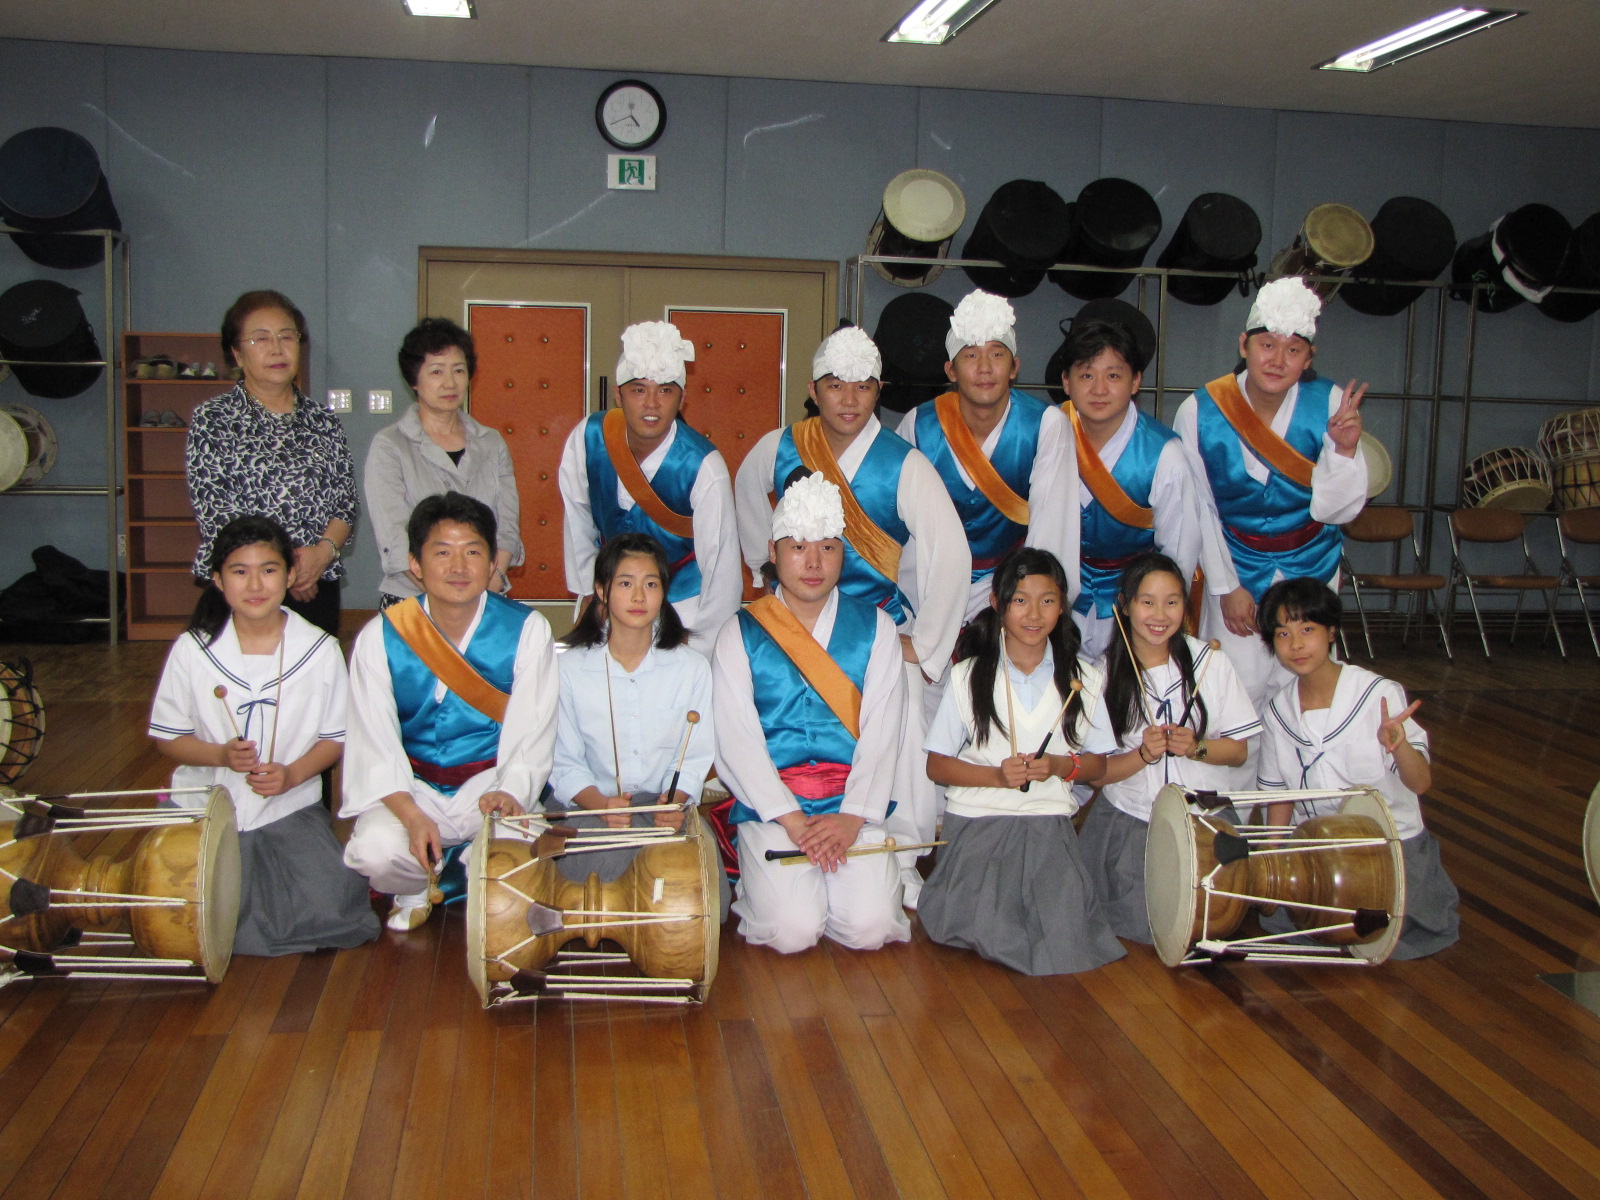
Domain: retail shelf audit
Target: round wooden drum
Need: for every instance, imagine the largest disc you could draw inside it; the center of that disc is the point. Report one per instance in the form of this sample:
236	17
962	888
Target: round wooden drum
27	446
21	720
165	878
1334	240
1513	477
1570	443
1202	875
522	915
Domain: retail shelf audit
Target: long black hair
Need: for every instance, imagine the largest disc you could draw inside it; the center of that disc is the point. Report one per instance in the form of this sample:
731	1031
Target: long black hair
211	611
981	641
1124	704
590	629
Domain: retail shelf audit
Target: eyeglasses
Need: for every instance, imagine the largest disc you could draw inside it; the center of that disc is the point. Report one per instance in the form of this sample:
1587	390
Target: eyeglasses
288	337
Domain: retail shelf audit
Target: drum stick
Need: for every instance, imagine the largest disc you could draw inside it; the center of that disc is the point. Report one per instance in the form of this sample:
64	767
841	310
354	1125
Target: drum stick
221	693
793	858
1138	669
1073	689
693	719
1216	648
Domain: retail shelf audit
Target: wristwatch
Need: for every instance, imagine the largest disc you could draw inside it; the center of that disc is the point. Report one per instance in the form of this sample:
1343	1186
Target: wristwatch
1199	751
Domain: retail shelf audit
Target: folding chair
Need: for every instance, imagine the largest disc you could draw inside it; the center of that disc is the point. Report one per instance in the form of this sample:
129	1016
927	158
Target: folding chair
1499	526
1581	526
1382	524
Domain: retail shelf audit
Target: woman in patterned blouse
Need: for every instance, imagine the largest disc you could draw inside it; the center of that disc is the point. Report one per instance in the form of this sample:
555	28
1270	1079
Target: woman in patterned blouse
264	448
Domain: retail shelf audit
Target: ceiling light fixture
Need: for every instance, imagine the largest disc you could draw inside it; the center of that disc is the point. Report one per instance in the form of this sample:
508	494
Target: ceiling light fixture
440	8
935	22
1424	35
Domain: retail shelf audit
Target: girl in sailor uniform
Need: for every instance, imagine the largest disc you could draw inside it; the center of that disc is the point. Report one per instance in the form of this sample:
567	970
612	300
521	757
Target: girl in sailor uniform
1336	725
1179	714
1011	882
252	699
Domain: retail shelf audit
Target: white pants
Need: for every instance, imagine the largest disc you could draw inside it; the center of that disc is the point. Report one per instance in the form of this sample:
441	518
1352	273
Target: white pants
790	907
917	800
380	849
1094	633
1257	666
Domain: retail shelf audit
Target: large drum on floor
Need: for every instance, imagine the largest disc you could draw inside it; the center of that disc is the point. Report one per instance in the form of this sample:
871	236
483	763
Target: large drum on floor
922	210
21	720
1342	878
44	331
523	916
129	893
1570	443
1591	841
1334	240
27	446
50	183
1513	477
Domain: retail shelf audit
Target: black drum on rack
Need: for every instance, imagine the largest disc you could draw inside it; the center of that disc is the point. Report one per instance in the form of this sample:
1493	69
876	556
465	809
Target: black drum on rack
1115	312
1218	232
922	211
41	321
1024	225
910	337
1115	222
1519	256
1412	240
51	184
1580	269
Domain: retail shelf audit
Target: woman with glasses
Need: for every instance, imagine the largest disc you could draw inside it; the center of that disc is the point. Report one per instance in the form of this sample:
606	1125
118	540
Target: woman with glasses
266	449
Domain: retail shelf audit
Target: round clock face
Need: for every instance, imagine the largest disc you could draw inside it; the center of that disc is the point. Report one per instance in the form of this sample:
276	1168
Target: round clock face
630	115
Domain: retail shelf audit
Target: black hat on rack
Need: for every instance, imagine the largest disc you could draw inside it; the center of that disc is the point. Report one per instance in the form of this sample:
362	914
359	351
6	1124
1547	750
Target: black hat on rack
1411	239
1115	222
1580	269
1024	225
42	321
910	337
922	211
1218	232
50	183
1113	312
1517	259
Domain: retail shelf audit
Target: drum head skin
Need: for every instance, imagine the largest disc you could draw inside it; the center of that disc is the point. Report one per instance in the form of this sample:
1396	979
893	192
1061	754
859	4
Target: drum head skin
711	904
1591	842
13	450
218	885
39	442
477	909
1513	477
1379	469
1171	867
1339	235
1371	804
924	205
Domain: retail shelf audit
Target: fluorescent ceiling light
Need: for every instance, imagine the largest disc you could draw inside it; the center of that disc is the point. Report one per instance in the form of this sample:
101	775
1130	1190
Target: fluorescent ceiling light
935	22
440	8
1424	35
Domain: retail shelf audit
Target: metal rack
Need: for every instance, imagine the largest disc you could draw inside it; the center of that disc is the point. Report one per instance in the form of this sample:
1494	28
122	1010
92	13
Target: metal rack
116	245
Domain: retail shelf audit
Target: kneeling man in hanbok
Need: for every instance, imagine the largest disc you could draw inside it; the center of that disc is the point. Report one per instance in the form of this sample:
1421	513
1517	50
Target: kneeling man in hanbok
808	692
452	709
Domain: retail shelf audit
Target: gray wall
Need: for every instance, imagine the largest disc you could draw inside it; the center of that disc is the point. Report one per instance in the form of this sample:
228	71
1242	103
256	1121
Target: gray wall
321	177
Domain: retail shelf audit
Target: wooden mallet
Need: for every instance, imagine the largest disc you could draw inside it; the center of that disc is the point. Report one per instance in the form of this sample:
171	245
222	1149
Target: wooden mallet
693	719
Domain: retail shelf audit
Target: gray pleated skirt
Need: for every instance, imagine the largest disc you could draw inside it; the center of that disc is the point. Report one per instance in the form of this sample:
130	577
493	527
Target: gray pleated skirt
295	893
1015	890
610	864
1432	918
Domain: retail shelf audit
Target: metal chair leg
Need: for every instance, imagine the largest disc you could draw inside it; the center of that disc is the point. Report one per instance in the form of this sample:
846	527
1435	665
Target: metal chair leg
1472	595
1361	609
1583	607
1550	610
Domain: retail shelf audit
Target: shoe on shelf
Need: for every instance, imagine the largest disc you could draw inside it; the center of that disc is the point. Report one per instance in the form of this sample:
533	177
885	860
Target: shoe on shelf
140	368
188	371
162	367
171	420
409	912
209	371
150	420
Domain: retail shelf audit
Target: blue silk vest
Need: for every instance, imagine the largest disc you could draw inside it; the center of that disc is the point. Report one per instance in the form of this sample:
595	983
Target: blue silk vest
450	732
673	482
1106	540
799	727
1280	506
990	535
877	489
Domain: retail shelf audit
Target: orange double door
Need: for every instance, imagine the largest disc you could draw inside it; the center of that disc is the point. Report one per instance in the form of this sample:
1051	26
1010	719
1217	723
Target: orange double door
548	328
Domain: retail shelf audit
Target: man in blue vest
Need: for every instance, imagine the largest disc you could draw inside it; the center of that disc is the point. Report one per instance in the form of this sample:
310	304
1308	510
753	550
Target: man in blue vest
808	693
1276	448
1135	489
452	709
1005	457
904	548
638	468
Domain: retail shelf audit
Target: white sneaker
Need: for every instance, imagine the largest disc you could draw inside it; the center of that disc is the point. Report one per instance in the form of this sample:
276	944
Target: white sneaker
409	912
911	887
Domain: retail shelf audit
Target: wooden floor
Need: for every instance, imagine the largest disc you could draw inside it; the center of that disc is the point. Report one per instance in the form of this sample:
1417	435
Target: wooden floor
913	1071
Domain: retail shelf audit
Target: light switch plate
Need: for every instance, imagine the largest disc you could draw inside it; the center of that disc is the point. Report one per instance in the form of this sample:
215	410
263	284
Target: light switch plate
380	402
339	400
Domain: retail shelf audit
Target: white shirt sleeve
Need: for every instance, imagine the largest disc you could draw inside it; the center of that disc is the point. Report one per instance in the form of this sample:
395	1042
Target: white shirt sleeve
375	763
528	734
947	732
1338	484
579	536
751	487
716	551
334	683
1054	521
870	787
172	712
940	567
1221	578
1180	513
1269	767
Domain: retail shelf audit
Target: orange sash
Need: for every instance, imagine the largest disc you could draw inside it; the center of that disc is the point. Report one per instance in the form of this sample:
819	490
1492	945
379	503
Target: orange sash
862	532
812	660
970	455
1257	434
419	632
1103	483
627	468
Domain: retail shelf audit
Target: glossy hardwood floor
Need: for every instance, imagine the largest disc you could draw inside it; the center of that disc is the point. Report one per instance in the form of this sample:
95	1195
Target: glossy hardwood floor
913	1071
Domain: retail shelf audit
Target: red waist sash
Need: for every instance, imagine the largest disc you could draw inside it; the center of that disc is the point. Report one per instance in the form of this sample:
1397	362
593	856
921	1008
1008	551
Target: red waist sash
1279	543
815	781
447	777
